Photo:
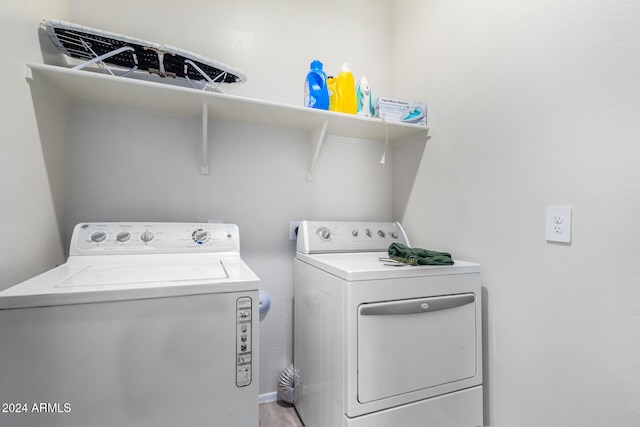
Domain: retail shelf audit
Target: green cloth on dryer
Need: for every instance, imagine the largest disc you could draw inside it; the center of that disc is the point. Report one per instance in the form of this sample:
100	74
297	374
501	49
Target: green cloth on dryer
418	256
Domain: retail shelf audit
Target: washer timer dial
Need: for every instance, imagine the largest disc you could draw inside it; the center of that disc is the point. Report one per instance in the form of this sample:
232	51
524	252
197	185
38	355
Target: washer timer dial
200	236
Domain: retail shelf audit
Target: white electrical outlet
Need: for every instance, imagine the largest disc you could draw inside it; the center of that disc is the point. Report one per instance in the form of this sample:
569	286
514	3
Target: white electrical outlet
558	224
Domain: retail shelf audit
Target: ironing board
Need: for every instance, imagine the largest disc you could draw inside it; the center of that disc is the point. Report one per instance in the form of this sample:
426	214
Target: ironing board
102	48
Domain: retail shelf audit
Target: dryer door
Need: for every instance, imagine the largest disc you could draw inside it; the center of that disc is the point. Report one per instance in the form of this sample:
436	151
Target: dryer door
415	344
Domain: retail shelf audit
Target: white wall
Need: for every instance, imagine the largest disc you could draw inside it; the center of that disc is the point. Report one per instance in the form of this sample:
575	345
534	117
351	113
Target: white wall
535	104
128	165
32	181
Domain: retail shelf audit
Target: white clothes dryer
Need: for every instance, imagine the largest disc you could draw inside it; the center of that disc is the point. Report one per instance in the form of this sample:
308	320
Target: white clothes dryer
377	344
146	324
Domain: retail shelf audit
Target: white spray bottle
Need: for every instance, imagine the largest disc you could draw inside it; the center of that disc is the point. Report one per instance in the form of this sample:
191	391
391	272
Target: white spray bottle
363	98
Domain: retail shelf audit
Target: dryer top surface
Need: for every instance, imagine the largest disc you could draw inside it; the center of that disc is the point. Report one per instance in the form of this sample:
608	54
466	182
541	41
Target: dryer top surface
358	266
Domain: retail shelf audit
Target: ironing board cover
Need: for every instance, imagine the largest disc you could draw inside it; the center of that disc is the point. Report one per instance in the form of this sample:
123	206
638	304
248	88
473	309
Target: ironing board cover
87	43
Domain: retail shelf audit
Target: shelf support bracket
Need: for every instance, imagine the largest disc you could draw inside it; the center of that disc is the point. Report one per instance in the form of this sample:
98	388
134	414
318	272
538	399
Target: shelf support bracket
204	167
316	139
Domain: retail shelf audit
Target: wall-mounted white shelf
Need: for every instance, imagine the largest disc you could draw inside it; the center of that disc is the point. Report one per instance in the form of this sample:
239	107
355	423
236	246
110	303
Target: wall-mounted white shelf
124	92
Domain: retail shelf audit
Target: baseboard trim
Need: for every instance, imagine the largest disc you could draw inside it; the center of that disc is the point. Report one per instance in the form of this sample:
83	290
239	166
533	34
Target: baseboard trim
268	397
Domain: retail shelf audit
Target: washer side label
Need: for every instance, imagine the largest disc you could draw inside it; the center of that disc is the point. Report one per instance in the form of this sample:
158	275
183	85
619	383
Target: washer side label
244	306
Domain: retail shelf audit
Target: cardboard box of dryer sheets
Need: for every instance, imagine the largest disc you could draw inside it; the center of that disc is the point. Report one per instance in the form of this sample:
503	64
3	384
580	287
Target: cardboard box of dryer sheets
398	110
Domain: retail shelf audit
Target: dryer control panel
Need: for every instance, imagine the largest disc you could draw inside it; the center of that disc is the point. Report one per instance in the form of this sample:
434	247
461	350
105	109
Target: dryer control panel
351	236
153	237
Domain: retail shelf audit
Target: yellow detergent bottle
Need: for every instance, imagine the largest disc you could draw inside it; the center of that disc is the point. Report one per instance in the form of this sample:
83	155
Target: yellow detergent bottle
346	90
332	83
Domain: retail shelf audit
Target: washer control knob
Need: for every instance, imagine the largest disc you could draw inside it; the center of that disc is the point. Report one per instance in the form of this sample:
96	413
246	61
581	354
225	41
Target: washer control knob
368	232
381	233
98	236
324	233
123	236
394	235
354	233
147	236
200	236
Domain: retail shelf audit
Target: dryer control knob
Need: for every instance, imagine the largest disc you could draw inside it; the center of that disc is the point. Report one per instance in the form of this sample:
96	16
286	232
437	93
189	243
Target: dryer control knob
354	233
98	236
147	236
394	235
324	233
381	233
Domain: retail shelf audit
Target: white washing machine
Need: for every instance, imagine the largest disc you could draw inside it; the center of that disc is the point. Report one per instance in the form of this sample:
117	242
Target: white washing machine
382	345
146	324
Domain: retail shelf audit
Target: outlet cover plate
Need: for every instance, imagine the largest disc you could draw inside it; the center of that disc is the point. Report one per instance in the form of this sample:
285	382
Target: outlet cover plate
558	224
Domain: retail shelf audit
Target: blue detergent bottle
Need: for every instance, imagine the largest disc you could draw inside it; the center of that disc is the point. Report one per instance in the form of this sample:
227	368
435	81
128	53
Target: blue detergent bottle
316	94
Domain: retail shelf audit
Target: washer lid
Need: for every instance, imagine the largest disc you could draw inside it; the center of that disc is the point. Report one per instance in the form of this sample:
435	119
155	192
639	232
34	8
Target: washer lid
368	266
134	274
90	279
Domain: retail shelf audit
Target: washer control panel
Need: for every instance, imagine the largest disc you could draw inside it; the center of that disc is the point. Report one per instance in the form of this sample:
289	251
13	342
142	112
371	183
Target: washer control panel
157	237
334	236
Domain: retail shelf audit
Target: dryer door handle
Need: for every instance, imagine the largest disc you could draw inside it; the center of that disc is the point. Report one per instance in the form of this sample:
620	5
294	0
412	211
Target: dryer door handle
416	306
